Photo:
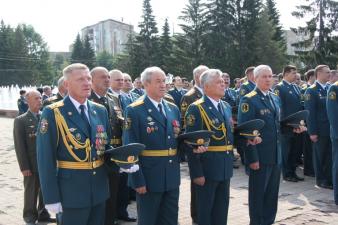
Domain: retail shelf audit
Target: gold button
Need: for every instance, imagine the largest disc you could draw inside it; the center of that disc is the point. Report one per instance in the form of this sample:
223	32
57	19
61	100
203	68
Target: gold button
93	158
168	137
170	161
94	172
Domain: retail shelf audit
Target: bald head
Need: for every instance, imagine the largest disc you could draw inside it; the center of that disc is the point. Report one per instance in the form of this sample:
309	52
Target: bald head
34	102
116	80
100	80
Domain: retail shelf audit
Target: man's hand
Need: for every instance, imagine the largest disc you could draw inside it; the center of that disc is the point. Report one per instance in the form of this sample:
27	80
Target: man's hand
314	138
254	166
141	190
54	208
200	149
300	129
26	173
199	181
255	141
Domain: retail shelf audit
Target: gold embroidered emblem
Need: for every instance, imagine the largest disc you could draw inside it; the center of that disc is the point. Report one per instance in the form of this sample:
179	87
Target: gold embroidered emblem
332	95
245	107
43	126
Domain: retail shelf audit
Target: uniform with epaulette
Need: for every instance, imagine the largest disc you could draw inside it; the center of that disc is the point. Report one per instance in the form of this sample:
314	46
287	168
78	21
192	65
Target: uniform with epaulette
230	97
110	102
245	88
307	144
318	124
215	165
70	147
177	95
264	182
291	143
24	133
159	163
332	111
191	96
52	99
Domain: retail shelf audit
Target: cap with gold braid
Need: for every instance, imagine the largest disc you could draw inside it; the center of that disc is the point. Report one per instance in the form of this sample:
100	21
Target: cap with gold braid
296	120
196	138
250	129
127	155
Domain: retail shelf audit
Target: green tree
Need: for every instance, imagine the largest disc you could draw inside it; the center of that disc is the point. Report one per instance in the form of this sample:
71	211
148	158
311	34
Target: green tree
193	25
267	50
24	57
166	48
105	59
148	36
275	20
77	52
219	40
319	44
88	54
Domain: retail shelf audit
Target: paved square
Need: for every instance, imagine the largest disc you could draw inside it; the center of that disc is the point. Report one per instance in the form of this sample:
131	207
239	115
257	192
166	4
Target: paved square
299	203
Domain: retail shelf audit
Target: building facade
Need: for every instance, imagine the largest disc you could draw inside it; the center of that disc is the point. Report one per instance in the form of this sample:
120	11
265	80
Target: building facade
108	35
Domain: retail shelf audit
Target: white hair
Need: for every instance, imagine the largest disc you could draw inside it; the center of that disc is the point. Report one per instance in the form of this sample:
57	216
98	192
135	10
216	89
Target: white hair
197	70
148	72
209	75
75	66
258	70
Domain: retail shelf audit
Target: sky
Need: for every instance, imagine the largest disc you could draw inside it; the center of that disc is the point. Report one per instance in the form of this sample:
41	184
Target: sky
60	21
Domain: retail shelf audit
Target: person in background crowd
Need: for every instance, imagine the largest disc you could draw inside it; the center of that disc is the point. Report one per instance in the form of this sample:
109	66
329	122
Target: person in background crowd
249	85
138	87
127	89
275	81
333	77
62	92
191	96
47	92
22	103
332	111
177	92
99	94
25	128
291	143
319	127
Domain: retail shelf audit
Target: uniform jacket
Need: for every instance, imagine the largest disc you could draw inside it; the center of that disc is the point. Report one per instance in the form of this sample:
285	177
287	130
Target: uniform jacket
74	188
144	124
315	102
53	99
177	95
257	106
22	105
246	88
25	127
332	110
230	97
191	96
140	92
215	166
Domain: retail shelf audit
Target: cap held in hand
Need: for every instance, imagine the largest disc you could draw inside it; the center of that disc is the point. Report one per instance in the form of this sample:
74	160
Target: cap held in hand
250	129
127	155
296	120
196	138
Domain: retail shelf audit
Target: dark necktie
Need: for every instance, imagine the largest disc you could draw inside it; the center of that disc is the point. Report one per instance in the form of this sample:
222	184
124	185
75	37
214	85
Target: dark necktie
220	110
270	101
85	118
161	112
38	116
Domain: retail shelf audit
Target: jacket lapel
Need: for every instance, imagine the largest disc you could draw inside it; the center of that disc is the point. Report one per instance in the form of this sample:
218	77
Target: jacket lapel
154	113
74	115
211	109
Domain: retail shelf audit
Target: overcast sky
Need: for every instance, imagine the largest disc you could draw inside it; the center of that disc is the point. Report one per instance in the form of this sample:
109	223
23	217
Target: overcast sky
60	21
